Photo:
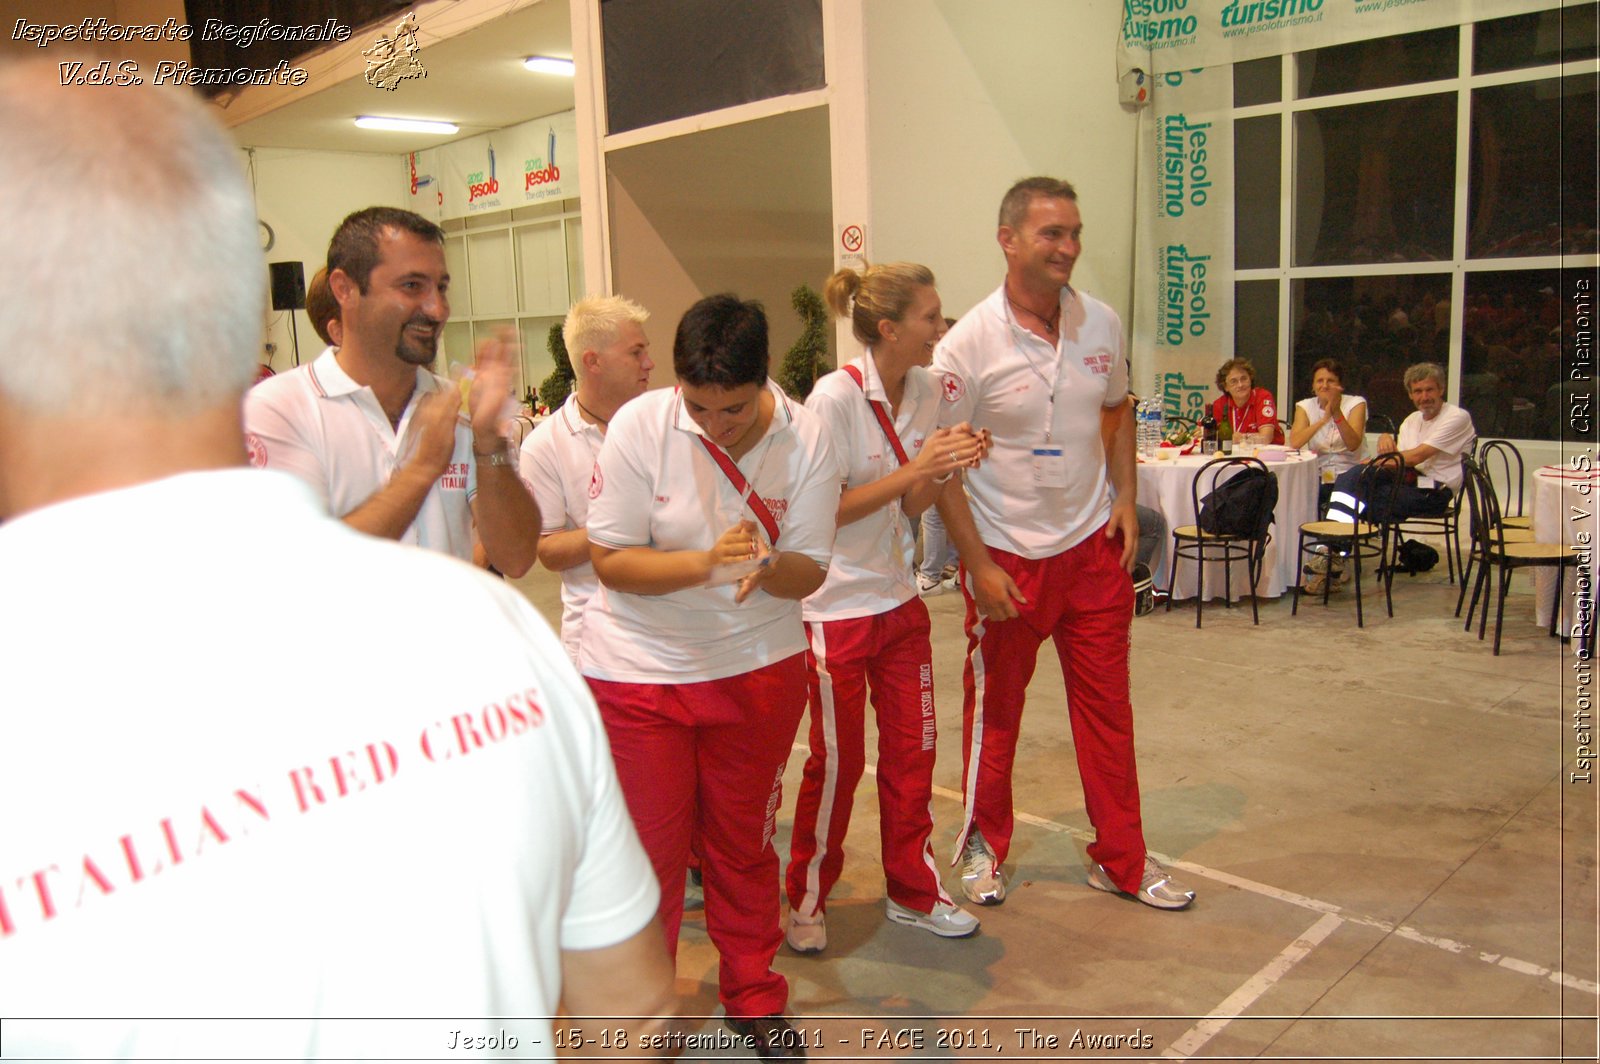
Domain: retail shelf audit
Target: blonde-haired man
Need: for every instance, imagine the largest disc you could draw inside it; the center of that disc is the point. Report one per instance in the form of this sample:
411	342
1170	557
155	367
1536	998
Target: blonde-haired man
611	361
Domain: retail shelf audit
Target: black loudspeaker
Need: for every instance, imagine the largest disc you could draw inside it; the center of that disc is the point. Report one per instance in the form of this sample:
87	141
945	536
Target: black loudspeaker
288	285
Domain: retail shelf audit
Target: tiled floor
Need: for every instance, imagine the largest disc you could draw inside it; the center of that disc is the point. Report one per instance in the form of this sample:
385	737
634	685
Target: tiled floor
1391	859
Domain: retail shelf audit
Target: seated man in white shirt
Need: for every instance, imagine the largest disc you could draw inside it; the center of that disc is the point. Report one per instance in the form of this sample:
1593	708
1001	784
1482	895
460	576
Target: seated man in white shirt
380	438
414	814
1432	441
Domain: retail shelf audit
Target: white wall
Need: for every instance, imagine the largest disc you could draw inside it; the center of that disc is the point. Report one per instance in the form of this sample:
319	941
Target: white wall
304	195
965	98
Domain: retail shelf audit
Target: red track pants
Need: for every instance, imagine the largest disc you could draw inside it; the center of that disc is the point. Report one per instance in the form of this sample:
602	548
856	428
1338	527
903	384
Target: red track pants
707	759
888	652
1081	598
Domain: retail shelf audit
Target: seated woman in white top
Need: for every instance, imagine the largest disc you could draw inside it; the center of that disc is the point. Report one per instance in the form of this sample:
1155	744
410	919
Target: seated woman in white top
1330	424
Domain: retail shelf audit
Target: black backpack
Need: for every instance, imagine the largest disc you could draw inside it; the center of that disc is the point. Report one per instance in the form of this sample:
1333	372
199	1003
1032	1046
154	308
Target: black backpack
1415	557
1242	505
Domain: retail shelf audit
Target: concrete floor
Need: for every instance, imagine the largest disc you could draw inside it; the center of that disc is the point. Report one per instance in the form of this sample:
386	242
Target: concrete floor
1391	860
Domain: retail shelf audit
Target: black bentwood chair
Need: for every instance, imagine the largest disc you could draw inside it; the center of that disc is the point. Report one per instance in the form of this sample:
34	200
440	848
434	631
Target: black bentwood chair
1501	555
1359	540
1200	546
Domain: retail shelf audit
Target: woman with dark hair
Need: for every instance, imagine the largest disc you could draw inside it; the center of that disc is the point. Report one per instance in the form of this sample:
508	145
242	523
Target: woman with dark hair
1248	410
867	625
712	516
1330	424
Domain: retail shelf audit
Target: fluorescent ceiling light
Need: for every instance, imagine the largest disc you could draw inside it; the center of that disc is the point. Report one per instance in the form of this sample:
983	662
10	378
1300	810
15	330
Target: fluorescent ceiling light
406	125
544	64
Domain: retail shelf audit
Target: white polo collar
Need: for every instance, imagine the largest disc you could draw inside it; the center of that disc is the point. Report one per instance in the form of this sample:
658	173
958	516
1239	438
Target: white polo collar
330	380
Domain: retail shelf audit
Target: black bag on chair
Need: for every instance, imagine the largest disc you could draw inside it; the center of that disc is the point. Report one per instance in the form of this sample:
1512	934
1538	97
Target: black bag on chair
1242	505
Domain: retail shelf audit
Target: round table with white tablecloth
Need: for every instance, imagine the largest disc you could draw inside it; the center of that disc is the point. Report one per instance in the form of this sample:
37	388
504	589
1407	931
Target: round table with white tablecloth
1164	485
1564	501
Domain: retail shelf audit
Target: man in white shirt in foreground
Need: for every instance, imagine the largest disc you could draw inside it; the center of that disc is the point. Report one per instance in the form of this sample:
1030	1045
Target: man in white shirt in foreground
412	815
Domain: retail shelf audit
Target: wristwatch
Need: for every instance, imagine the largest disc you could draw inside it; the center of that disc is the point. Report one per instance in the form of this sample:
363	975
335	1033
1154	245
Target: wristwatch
499	456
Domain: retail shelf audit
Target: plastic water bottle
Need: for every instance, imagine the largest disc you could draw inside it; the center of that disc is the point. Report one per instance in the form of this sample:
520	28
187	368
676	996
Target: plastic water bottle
1158	418
1149	432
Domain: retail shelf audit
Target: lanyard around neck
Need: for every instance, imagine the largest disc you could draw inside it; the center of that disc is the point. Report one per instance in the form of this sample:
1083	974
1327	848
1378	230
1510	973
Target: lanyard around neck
881	412
746	492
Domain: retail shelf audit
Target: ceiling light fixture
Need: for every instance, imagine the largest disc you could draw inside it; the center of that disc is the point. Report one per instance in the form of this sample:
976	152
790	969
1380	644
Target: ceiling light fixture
544	64
406	125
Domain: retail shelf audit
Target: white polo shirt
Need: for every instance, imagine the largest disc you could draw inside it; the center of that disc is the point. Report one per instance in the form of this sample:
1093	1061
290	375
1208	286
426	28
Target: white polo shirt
656	486
332	433
871	568
1001	377
558	462
1327	444
1450	431
413	814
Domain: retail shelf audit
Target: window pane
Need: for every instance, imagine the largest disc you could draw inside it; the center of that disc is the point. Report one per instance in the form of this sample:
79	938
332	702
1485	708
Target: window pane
1375	327
575	285
1375	182
455	261
1532	185
1255	332
489	263
454	346
542	266
1256	146
668	59
1534	40
1511	353
1379	63
1257	81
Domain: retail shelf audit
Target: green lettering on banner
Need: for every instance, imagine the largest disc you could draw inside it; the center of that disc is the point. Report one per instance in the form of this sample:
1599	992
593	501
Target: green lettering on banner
1179	398
1157	24
1182	307
1182	163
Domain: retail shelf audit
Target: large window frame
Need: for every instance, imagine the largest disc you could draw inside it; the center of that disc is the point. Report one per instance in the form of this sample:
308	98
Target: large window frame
1458	268
474	277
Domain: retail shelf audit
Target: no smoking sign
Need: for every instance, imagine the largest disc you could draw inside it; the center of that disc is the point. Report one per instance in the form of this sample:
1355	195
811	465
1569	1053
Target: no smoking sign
851	239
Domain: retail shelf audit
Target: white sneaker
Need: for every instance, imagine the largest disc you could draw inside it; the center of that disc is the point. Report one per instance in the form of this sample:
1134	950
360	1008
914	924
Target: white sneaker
928	588
981	881
946	921
807	934
1156	888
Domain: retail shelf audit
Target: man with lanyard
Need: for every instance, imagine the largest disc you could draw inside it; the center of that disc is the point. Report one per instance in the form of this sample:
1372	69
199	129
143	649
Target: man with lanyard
381	439
611	360
1045	546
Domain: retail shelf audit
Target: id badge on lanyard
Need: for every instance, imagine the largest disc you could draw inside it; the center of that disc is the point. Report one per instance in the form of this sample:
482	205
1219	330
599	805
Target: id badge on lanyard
1049	462
1049	467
